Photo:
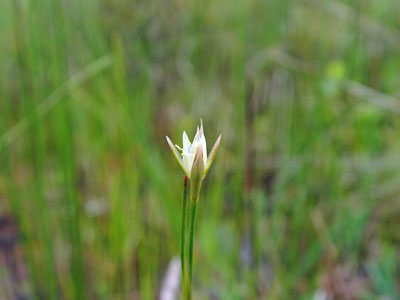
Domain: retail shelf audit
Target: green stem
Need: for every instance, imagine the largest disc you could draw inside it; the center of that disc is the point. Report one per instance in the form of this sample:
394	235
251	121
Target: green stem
193	207
183	234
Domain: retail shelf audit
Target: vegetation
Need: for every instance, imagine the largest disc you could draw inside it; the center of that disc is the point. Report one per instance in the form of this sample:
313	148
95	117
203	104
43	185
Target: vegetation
302	201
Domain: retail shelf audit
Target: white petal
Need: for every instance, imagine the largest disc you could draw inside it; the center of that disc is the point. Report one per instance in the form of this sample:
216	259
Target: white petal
186	143
196	142
203	145
187	163
202	141
201	127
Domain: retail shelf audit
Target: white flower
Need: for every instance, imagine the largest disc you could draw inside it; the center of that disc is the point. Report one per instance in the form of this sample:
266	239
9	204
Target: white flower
197	149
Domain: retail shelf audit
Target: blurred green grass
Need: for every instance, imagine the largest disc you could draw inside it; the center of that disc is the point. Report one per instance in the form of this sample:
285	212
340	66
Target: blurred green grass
302	199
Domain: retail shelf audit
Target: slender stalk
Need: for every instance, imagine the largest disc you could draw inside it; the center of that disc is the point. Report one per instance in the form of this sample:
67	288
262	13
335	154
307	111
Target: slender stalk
183	235
193	207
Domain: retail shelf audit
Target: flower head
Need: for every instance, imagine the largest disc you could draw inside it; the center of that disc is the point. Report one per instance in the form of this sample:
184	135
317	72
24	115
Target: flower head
193	158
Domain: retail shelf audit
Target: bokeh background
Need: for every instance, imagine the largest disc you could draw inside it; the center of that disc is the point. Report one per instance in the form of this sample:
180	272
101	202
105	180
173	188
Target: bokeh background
302	201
